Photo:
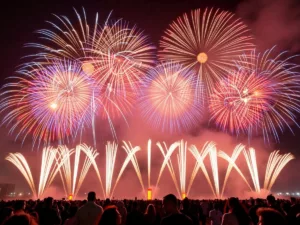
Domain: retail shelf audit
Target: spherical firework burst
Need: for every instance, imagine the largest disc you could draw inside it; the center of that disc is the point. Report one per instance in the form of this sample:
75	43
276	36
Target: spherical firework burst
50	102
208	41
239	100
262	97
169	99
122	56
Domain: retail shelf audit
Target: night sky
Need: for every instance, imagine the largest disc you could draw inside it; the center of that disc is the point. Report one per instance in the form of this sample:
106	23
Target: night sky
272	22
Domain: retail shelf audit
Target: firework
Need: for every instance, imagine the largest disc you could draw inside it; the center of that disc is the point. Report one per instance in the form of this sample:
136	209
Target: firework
181	157
149	162
122	54
73	183
67	41
250	157
111	153
208	41
92	154
169	100
282	96
167	153
200	156
21	163
275	165
239	101
131	151
261	97
231	164
48	171
51	103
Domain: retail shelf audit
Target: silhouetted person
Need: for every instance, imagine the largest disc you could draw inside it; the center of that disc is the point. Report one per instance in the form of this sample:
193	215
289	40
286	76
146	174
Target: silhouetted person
72	219
150	217
271	201
270	216
256	204
187	210
237	214
174	217
110	216
89	213
19	207
123	211
21	219
205	210
49	215
5	213
293	211
135	217
215	215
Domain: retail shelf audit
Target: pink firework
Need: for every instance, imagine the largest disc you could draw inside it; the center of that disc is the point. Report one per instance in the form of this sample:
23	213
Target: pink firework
170	100
239	100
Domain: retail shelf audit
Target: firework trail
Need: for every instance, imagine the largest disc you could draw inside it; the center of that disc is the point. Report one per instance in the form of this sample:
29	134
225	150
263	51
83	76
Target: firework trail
21	163
231	164
49	102
92	155
275	165
131	151
49	169
250	157
169	99
207	41
167	153
73	183
149	161
208	148
111	153
181	157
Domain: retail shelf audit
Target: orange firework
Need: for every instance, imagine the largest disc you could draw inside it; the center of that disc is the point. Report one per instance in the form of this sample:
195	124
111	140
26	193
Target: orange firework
208	41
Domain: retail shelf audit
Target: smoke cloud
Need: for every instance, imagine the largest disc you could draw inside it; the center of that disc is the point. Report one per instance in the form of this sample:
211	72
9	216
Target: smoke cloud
273	22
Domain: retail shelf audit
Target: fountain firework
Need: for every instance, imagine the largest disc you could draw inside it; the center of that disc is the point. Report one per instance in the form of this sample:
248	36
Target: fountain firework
58	160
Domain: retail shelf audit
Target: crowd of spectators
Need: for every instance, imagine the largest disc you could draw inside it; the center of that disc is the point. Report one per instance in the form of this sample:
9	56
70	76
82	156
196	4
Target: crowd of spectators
169	211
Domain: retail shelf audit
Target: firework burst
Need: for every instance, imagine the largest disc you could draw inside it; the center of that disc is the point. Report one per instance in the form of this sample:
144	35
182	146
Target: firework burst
261	97
64	40
169	100
208	41
49	102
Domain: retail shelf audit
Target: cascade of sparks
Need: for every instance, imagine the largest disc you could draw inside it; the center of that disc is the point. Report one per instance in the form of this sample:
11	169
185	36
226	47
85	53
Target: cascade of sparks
92	154
58	160
73	183
275	165
19	161
167	153
231	164
213	155
149	162
250	157
111	153
131	151
200	156
181	157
